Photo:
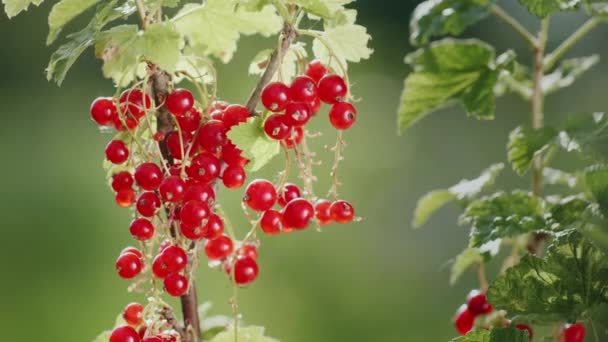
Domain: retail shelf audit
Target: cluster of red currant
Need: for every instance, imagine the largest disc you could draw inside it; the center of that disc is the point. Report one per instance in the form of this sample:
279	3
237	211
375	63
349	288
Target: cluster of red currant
136	330
477	305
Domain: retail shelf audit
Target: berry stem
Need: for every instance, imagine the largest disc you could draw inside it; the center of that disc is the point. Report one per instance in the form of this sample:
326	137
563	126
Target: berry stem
509	20
333	192
579	34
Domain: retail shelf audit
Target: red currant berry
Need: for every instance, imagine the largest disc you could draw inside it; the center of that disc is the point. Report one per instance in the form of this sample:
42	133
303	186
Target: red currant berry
234	115
463	321
303	89
190	232
248	251
323	212
295	137
174	143
130	121
175	258
132	250
245	270
314	105
194	212
199	192
152	339
159	268
298	213
128	265
190	121
142	229
122	181
332	89
148	176
290	192
232	155
528	329
275	96
260	195
148	204
218	105
134	102
212	136
478	304
103	111
125	198
316	70
124	333
142	331
233	177
219	248
217	115
342	115
133	314
275	127
117	152
172	189
205	167
297	114
573	333
214	227
179	102
159	136
176	284
271	222
342	211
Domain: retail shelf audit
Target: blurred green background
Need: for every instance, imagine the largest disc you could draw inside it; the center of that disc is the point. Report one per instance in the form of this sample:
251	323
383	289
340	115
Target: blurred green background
374	281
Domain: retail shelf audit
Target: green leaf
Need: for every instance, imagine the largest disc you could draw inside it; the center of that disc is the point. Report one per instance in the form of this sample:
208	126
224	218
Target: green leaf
596	182
250	138
63	12
559	287
14	7
525	144
464	190
474	336
587	133
315	7
568	72
544	8
433	18
216	25
558	177
124	47
296	53
464	260
495	335
503	215
348	43
245	334
450	70
568	213
597	7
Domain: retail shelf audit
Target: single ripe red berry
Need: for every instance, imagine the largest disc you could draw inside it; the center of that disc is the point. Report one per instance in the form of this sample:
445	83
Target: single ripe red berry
233	177
190	121
303	89
131	250
528	329
124	333
275	127
194	212
234	115
205	167
179	102
199	192
175	258
232	155
463	321
125	198
295	137
176	284
133	314
148	176
275	96
323	212
152	339
190	232
214	227
218	105
315	105
175	144
298	213
122	181
128	265
103	111
129	120
342	115
316	70
117	152
159	268
217	115
290	192
148	204
478	304
172	189
342	211
142	229
245	270
297	114
260	195
248	251
212	136
573	333
134	102
219	248
271	222
332	89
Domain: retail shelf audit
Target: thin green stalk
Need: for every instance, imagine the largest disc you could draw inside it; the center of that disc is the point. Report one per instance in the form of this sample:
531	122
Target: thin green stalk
561	50
509	20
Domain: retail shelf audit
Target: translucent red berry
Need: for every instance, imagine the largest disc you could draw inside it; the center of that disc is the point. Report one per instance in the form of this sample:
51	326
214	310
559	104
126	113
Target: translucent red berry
232	155
303	89
205	167
295	137
175	258
297	114
128	265
323	212
212	136
275	96
134	102
131	250
159	268
290	192
478	304
332	89
342	211
176	284
298	213
271	222
219	248
214	227
528	329
573	333
103	111
260	195
177	145
342	115
125	198
148	204
199	192
122	181
172	189
142	229
124	333
152	339
117	152
194	212
316	70
129	120
463	321
133	314
148	176
276	127
245	270
190	121
218	105
234	115
248	251
179	102
233	177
